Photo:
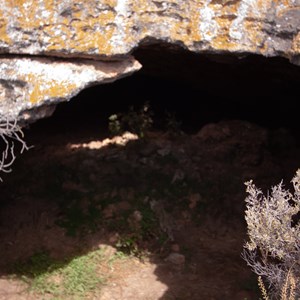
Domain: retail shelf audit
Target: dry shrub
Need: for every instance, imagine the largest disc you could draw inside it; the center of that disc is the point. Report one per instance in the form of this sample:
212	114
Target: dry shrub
273	249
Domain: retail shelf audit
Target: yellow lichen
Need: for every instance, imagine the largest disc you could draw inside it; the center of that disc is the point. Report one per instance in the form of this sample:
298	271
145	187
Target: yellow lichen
45	89
4	38
193	26
87	30
111	3
81	36
28	14
225	16
296	44
79	33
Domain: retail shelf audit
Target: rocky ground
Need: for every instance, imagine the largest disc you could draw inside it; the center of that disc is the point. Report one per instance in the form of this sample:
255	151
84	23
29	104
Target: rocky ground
167	210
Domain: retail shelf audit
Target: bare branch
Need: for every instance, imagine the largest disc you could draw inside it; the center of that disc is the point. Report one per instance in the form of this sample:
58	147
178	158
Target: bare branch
10	132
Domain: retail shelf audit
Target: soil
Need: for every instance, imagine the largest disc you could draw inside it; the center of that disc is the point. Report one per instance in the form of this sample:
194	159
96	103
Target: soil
179	197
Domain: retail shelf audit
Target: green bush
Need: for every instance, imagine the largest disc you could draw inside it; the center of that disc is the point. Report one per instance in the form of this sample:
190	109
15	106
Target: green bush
137	121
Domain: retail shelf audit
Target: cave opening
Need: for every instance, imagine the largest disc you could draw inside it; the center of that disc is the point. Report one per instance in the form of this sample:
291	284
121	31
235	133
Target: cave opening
196	89
67	197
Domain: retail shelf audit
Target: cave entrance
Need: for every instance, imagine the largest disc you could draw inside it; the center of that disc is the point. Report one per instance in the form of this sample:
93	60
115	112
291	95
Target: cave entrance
197	89
176	202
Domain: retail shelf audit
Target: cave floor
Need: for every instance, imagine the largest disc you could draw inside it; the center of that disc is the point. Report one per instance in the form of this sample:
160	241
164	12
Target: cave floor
165	211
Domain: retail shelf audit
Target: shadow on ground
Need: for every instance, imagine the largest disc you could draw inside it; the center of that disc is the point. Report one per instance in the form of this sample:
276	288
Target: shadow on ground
173	206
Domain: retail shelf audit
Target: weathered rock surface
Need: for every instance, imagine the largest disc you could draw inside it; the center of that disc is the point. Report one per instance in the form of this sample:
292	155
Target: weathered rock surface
29	82
109	28
112	29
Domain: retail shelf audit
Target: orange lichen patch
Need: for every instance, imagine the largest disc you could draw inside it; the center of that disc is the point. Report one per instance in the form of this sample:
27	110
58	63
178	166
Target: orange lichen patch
254	34
181	28
250	26
180	31
3	31
108	27
44	89
80	33
28	14
16	2
296	44
49	5
225	14
223	41
230	9
99	39
111	3
140	7
193	26
283	2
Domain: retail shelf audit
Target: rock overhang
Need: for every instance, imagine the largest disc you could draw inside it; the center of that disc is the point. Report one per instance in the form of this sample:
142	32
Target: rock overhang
112	28
32	82
51	50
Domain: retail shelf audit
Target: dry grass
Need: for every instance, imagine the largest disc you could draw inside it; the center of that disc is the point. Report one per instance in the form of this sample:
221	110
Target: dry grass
289	287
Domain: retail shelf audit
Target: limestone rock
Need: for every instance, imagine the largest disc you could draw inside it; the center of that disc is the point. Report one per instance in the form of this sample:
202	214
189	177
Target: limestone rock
31	82
112	29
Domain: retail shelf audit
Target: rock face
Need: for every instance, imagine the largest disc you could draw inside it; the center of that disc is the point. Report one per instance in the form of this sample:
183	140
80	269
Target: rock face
31	82
112	29
108	28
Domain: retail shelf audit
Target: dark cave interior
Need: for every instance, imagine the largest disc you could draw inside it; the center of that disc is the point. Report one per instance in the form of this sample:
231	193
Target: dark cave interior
198	89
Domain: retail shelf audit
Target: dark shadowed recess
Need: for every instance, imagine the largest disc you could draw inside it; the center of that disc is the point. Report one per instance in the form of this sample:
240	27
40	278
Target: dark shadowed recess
53	183
199	89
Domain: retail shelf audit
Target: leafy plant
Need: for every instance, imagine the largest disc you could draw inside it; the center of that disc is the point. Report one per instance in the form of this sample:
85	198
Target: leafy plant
114	124
128	245
137	121
273	251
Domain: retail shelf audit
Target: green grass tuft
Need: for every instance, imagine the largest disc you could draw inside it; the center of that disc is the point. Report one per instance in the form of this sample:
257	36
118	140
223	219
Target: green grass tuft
74	278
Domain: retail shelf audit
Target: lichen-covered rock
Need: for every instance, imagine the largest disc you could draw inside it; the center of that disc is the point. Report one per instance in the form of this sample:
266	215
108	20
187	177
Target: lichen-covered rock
107	28
112	29
31	82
